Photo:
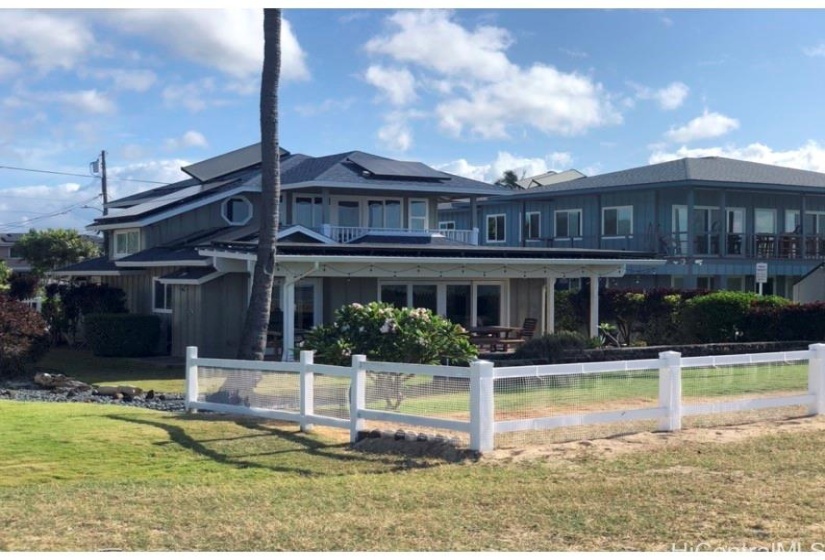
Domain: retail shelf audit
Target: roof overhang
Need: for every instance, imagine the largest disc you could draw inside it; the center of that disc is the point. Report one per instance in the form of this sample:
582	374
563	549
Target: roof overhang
149	264
438	267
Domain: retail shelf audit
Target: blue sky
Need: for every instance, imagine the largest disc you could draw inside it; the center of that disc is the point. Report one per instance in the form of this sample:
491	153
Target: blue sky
469	91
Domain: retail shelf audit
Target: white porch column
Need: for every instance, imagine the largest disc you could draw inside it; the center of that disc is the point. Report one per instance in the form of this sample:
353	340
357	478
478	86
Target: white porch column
288	307
550	305
594	306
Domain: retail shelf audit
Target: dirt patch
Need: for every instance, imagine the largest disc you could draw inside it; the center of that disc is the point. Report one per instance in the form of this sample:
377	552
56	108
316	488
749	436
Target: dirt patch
651	441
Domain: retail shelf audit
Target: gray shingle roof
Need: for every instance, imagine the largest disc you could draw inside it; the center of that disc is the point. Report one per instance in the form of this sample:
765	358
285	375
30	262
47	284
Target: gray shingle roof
707	170
164	254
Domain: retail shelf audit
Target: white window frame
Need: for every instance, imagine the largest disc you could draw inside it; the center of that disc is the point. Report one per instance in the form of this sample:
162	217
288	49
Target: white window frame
503	232
556	222
337	200
167	296
793	218
817	218
411	218
383	202
617	235
125	232
441	294
527	232
225	207
316	201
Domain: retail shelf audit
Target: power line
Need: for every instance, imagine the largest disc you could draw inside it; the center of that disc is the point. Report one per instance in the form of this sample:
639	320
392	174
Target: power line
75	174
60	212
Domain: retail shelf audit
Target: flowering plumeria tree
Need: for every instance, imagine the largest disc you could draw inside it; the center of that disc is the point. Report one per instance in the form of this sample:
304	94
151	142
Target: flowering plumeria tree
385	333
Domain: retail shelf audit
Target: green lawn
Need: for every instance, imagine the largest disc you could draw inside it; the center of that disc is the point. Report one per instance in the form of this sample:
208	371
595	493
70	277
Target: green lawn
146	374
86	477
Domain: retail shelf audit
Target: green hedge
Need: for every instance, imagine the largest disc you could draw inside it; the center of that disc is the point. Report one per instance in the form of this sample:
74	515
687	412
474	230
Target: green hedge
122	335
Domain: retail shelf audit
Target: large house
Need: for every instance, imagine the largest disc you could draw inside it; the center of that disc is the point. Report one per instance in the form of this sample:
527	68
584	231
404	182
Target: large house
355	227
711	219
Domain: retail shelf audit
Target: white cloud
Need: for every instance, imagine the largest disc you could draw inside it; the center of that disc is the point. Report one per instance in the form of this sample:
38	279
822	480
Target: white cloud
543	98
709	125
128	80
163	171
190	139
8	68
522	166
669	98
430	39
818	50
395	134
810	156
397	84
230	40
46	40
574	53
478	90
86	101
192	95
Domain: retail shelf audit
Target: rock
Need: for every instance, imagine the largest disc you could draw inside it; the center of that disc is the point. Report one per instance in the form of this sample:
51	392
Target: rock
59	381
109	390
150	394
374	434
399	435
410	436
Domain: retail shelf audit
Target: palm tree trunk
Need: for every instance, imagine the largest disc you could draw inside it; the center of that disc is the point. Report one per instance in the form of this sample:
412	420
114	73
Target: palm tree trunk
253	338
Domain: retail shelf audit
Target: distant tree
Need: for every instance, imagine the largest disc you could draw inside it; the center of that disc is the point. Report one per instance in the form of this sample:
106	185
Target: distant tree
5	272
54	248
509	179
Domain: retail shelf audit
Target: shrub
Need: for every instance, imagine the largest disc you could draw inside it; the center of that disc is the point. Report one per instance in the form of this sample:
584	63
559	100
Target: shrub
66	306
23	337
785	322
720	316
122	335
551	347
385	333
22	286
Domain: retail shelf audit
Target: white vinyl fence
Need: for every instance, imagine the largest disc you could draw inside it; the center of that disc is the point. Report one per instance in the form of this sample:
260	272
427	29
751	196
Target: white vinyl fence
483	404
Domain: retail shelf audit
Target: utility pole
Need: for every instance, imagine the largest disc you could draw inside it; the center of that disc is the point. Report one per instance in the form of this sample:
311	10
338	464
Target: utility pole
103	184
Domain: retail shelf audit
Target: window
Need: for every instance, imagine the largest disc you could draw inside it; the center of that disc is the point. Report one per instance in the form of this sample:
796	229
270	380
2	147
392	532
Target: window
418	214
446	225
127	242
617	221
815	223
237	211
568	223
764	220
466	303
309	211
495	228
384	214
532	225
161	297
792	221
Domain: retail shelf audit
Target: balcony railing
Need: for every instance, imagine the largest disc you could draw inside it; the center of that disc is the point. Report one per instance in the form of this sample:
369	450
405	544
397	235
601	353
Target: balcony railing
755	245
342	234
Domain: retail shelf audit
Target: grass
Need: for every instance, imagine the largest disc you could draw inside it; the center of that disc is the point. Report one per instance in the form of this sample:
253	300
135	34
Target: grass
109	477
94	370
88	477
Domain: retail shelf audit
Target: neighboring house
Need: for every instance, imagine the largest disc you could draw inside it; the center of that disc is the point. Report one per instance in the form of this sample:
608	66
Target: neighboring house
354	228
549	178
811	287
712	219
9	255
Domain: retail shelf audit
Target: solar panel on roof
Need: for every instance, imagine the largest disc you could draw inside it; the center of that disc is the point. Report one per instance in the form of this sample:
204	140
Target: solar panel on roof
227	163
391	168
166	200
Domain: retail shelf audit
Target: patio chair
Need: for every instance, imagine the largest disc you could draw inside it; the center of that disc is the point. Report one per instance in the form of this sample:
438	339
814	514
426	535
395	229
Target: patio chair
528	329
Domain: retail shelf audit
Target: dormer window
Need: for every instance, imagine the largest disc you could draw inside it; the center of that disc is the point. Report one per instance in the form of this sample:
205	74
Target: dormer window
237	211
127	242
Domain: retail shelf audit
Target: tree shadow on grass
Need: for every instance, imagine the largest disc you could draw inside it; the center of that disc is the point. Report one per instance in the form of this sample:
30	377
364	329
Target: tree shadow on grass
304	444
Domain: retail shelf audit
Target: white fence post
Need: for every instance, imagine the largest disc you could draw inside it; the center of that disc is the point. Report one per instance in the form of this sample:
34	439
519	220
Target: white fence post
307	390
670	390
357	396
816	378
191	378
482	406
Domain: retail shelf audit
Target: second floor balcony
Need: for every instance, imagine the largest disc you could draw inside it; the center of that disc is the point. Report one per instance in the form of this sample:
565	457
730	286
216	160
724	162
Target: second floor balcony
747	245
349	234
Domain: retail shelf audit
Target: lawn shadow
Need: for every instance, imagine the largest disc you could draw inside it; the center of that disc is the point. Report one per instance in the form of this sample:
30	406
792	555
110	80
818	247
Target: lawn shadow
304	443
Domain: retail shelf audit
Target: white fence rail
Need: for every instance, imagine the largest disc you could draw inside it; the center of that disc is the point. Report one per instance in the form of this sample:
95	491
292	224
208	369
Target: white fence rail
465	399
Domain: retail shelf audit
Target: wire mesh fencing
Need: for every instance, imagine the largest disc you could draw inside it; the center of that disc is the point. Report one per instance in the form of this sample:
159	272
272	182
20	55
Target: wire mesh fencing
726	383
557	404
